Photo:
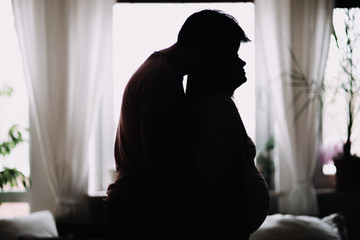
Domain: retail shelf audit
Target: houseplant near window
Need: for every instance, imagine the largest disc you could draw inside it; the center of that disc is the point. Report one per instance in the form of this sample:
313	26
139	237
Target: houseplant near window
11	176
347	164
265	162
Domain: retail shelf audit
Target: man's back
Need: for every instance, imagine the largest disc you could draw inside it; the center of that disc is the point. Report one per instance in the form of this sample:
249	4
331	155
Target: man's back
153	99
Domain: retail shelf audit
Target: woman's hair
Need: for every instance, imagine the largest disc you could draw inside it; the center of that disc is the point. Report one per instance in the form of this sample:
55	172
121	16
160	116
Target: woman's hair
211	31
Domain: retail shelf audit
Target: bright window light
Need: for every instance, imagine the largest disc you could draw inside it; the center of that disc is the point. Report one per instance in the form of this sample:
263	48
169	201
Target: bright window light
14	209
13	109
329	169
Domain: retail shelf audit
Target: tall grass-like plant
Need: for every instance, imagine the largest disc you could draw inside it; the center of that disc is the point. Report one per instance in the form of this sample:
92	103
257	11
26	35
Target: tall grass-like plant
349	82
306	91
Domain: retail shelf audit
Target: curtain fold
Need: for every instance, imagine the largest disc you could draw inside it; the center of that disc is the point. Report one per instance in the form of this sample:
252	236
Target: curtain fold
292	41
66	47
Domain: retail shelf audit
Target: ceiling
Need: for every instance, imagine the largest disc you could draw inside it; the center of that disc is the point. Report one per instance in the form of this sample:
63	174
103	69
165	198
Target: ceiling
339	3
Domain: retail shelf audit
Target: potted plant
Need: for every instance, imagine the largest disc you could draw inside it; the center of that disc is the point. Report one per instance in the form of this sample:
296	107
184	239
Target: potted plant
348	164
11	176
265	162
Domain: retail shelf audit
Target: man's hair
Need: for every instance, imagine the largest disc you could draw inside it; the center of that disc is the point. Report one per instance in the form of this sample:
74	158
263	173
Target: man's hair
211	31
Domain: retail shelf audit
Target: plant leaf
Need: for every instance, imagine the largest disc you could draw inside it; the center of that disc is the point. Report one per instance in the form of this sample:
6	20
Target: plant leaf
13	177
335	36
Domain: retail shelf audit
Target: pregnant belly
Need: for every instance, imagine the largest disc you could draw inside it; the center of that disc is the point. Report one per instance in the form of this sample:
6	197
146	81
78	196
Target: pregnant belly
258	199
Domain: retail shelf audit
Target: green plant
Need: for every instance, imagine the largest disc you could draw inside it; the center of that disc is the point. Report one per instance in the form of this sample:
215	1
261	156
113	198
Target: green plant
7	91
349	83
11	176
15	137
265	162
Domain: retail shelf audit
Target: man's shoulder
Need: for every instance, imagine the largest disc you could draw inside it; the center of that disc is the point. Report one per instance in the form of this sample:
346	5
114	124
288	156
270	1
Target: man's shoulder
156	69
156	87
156	63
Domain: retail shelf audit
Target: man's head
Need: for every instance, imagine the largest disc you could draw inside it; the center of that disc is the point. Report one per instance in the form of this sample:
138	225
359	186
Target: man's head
211	32
213	38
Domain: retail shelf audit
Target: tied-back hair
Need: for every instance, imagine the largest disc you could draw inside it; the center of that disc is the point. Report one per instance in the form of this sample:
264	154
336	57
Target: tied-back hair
211	31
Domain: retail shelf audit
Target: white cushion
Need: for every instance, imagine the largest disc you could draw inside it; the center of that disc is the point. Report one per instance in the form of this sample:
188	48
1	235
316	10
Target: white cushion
279	227
37	224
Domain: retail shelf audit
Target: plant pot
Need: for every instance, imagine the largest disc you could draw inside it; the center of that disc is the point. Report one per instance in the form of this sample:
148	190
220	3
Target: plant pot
347	172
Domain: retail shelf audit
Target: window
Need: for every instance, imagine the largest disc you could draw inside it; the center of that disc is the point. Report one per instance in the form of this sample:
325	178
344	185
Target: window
140	29
335	116
14	108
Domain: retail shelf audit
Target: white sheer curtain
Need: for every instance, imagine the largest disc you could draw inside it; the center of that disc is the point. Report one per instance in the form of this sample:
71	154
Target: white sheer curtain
66	47
303	27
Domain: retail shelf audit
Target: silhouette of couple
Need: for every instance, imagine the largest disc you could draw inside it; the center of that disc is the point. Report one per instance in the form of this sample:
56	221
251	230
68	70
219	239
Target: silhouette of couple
184	162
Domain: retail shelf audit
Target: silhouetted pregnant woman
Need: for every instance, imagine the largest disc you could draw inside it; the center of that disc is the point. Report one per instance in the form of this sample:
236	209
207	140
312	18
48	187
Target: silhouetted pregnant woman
232	198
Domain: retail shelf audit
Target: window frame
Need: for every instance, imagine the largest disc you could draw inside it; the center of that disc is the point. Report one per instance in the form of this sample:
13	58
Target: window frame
322	181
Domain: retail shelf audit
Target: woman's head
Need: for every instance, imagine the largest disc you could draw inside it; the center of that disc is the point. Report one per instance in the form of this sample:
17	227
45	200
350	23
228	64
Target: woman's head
225	82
